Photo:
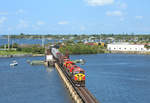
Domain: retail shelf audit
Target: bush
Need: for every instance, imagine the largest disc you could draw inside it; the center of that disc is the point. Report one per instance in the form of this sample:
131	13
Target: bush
81	49
37	49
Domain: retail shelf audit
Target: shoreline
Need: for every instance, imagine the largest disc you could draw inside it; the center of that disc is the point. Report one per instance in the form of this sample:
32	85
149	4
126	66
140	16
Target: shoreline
111	52
21	55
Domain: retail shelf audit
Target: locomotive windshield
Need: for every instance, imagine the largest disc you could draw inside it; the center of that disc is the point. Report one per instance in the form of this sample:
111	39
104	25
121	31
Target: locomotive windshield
76	72
82	72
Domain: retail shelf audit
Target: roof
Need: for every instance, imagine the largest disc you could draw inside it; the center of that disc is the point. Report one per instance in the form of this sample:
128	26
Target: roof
78	69
69	62
124	43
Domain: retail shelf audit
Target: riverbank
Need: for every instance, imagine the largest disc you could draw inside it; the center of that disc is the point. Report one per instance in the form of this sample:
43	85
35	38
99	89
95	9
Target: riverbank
8	54
20	55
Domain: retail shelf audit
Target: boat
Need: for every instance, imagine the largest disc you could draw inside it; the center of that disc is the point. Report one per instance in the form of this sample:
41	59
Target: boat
14	63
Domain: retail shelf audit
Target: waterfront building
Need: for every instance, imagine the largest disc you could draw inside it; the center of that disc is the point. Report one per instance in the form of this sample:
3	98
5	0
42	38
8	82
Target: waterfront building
126	47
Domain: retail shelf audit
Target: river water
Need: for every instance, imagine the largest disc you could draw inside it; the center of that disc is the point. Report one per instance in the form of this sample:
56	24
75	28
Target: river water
111	78
118	78
30	84
27	41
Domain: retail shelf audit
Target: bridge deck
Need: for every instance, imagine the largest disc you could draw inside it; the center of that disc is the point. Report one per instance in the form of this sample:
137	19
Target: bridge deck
82	92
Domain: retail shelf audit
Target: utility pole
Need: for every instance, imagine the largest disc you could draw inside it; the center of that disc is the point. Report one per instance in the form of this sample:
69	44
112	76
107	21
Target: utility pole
100	38
12	44
5	47
8	43
43	41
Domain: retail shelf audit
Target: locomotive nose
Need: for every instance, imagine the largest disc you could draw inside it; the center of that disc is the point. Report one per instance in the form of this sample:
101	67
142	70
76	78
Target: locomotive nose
81	77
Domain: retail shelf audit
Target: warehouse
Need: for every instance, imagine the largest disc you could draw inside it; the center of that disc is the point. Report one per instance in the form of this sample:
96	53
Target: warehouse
126	47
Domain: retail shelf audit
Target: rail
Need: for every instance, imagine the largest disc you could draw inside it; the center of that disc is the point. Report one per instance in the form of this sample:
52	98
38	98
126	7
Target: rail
86	95
83	92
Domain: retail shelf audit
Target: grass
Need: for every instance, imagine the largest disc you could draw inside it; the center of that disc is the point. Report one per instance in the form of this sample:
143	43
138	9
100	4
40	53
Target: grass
12	52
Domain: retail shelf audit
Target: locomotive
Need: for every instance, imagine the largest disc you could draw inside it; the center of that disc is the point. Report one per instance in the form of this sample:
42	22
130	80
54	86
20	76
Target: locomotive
75	73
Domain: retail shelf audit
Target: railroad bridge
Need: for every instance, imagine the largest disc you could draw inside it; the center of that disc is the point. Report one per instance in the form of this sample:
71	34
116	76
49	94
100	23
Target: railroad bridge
78	94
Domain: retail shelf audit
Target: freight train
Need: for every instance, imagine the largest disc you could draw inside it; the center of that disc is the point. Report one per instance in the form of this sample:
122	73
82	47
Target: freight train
75	73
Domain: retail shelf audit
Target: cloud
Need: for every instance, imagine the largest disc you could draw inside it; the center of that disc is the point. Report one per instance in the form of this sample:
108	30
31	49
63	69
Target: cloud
63	22
99	2
39	23
114	13
22	24
20	11
3	13
139	17
2	19
121	5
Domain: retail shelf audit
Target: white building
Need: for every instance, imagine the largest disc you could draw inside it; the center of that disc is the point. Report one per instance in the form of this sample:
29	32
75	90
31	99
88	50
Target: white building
49	57
126	47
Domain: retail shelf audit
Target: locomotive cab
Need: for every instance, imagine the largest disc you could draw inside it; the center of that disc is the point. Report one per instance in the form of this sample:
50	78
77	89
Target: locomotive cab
78	76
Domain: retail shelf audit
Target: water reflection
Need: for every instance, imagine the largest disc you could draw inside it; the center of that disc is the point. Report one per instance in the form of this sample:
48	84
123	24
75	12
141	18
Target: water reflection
49	69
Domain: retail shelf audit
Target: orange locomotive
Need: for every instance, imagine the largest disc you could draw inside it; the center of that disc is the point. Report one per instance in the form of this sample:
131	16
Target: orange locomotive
76	74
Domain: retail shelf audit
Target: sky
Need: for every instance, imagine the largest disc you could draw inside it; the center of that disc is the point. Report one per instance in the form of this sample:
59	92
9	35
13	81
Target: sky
74	16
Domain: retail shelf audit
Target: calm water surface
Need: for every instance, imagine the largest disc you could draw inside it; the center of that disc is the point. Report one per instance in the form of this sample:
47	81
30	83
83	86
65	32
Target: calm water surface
26	41
118	78
112	78
30	84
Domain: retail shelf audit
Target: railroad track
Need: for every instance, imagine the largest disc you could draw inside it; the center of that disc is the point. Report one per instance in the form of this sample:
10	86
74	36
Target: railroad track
83	92
86	95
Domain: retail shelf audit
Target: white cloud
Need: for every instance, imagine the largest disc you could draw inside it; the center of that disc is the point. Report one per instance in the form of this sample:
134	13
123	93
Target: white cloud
99	2
114	13
2	19
20	11
63	22
123	5
139	17
39	23
22	24
3	13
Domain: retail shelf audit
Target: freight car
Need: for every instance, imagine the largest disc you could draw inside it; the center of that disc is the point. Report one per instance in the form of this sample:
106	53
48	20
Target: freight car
76	74
55	53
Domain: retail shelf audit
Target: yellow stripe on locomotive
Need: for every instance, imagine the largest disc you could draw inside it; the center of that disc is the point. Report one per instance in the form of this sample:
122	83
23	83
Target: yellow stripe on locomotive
79	77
